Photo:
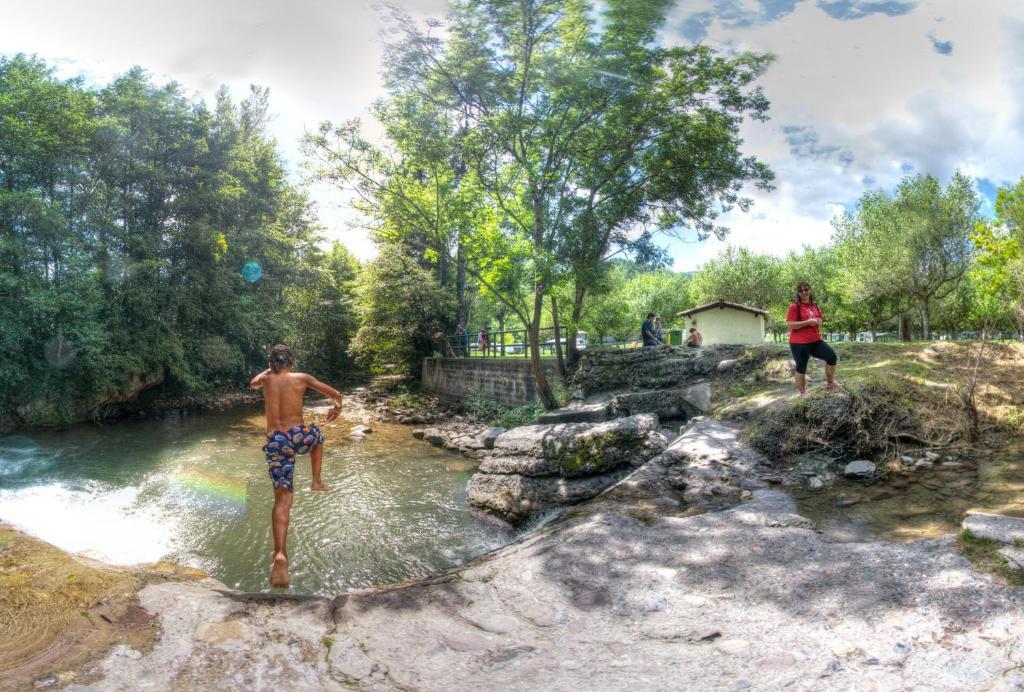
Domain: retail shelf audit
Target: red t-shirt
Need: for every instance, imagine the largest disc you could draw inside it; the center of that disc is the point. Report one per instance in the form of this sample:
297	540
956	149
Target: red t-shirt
799	313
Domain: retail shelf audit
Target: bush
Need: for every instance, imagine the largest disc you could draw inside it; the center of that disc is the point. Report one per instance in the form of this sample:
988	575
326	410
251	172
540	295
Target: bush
491	412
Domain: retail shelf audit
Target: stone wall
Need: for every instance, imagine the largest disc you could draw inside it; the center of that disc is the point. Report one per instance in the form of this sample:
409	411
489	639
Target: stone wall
508	380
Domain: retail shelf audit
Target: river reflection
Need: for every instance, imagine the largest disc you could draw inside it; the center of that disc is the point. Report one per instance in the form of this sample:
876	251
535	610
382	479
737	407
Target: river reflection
918	504
194	489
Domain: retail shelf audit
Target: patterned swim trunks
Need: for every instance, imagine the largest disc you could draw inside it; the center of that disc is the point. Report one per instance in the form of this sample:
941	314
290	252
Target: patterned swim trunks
282	447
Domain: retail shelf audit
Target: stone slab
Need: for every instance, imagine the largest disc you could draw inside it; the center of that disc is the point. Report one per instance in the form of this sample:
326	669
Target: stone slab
995	527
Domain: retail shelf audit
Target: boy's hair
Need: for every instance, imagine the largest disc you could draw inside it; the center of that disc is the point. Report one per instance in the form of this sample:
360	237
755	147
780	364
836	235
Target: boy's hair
650	315
281	357
693	329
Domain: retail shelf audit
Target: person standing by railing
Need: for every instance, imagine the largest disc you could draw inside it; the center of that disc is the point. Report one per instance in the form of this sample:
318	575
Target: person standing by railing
484	340
461	341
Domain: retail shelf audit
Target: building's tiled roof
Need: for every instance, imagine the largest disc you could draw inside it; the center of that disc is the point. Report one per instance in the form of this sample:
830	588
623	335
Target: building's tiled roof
722	304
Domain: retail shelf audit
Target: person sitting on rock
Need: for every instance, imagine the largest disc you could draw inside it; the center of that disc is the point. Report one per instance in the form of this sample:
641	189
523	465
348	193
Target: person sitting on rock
650	339
695	339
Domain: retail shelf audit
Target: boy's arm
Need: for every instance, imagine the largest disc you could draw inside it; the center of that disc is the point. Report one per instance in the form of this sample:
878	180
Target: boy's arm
329	392
257	381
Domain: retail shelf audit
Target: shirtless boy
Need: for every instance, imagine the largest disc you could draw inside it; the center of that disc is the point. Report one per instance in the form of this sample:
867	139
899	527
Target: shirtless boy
287	436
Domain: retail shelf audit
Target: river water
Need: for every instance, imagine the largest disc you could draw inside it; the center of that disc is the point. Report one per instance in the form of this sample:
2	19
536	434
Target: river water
194	489
918	504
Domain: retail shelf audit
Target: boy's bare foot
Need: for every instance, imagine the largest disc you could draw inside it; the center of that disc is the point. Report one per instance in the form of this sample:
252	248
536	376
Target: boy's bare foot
279	572
320	486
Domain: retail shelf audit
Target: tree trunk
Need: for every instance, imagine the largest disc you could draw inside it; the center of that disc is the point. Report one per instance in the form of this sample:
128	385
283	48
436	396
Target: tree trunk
558	341
577	312
544	393
461	303
923	309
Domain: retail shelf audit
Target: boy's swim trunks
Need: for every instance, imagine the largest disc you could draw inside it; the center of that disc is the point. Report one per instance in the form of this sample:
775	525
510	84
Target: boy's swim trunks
282	447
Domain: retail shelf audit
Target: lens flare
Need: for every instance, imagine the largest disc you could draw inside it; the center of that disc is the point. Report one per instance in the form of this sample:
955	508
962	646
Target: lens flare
252	272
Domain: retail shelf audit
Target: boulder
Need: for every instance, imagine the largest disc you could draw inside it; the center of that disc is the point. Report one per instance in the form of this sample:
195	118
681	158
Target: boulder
490	437
664	403
861	468
418	433
517	498
1014	557
578	449
591	449
647	369
698	396
727	365
433	436
995	527
525	440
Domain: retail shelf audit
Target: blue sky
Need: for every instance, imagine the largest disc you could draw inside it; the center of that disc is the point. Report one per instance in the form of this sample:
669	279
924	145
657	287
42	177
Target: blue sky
863	92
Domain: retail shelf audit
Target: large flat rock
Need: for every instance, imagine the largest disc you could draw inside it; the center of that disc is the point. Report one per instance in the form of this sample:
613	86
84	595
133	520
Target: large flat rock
612	598
517	498
584	413
680	402
576	449
995	527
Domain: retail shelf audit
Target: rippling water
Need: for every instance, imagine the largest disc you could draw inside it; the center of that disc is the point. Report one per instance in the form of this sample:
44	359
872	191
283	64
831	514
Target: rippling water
919	504
194	489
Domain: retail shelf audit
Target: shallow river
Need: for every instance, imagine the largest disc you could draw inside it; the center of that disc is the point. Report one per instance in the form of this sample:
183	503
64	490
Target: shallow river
918	504
194	489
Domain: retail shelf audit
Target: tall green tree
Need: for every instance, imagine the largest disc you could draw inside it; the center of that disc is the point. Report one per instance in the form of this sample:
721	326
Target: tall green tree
576	130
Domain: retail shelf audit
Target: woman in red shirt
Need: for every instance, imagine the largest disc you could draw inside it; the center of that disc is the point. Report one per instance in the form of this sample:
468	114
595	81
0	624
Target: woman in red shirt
803	320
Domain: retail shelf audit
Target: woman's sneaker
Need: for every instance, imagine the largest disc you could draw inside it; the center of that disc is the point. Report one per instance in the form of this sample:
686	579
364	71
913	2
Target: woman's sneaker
834	385
804	395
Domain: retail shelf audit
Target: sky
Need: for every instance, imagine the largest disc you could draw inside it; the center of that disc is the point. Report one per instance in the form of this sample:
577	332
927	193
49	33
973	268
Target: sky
863	92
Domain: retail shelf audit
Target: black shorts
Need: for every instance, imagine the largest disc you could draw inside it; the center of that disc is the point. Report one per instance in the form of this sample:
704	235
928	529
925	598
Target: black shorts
819	349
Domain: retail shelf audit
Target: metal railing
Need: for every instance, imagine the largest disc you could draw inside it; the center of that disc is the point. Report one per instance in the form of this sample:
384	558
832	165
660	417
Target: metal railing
514	343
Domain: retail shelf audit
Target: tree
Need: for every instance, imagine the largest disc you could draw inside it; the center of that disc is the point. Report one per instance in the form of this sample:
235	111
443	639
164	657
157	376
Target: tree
741	276
402	311
998	274
572	126
936	226
913	247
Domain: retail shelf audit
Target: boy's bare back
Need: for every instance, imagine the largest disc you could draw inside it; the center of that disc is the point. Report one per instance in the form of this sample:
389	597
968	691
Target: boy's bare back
283	394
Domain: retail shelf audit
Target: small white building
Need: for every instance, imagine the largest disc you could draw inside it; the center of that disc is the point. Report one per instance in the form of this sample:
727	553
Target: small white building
722	322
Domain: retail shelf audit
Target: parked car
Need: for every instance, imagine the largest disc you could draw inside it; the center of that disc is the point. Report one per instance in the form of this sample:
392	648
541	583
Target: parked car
581	341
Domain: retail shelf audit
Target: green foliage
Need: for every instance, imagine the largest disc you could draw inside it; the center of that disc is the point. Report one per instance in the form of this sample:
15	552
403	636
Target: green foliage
739	275
492	412
984	554
127	213
534	139
403	312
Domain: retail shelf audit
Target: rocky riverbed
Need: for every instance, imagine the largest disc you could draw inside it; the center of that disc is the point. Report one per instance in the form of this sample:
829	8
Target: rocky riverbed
687	568
630	589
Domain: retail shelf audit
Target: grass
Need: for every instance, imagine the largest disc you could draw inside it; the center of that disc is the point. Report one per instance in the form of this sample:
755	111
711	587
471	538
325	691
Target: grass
984	555
492	412
916	388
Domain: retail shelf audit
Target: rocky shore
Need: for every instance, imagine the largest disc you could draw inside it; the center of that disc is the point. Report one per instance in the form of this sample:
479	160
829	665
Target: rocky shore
673	561
641	586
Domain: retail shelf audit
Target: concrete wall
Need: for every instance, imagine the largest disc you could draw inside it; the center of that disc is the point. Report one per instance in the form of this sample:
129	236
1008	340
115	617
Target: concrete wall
508	380
728	326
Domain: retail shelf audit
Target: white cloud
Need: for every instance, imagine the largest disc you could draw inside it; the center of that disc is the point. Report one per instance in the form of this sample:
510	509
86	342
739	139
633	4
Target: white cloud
871	86
320	58
875	87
